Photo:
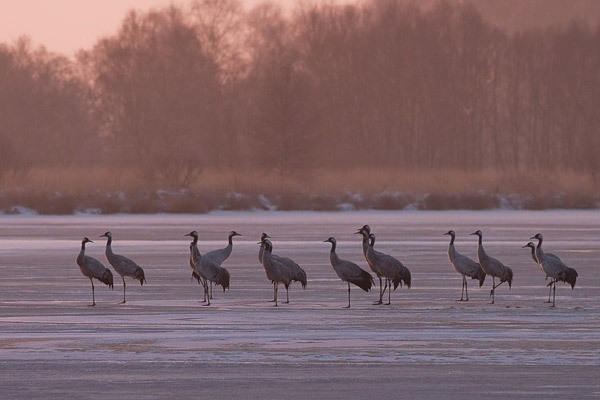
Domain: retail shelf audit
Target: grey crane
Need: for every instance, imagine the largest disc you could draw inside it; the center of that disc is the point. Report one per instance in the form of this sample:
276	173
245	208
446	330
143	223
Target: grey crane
220	255
538	249
195	254
365	231
534	256
297	274
554	267
208	269
123	265
261	250
348	271
464	266
276	270
93	268
492	267
389	267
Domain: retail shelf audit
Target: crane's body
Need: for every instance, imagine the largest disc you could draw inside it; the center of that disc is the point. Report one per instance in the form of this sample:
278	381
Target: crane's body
93	269
464	266
492	267
554	268
123	265
348	271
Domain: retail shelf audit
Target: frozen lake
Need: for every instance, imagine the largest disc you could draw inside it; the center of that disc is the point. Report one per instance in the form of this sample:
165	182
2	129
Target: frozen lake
164	343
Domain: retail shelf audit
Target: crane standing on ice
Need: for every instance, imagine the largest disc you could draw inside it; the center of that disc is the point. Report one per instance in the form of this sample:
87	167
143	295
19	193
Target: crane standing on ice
464	266
93	268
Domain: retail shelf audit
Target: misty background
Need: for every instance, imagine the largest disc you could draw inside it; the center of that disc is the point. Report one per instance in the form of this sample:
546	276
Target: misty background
384	104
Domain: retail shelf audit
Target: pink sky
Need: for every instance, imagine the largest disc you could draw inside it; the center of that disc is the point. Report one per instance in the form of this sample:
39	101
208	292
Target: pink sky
65	26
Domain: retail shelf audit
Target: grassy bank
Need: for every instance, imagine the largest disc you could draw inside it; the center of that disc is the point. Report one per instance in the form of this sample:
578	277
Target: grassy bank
101	190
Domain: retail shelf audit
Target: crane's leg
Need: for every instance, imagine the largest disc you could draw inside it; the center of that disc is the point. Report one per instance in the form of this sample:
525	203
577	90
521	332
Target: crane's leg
348	306
466	289
206	286
389	287
211	286
385	287
93	296
554	293
274	293
124	285
494	288
275	284
550	292
287	294
380	301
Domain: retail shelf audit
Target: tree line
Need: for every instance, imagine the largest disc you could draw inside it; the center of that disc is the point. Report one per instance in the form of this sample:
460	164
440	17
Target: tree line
382	84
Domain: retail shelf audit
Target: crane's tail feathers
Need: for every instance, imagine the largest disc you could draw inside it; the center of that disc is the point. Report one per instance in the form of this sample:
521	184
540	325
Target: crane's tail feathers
223	279
406	278
480	276
299	275
365	282
509	277
196	276
107	278
139	276
570	276
397	281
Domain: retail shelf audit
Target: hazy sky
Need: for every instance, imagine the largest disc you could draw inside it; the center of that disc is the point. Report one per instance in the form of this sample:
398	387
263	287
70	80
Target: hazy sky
65	26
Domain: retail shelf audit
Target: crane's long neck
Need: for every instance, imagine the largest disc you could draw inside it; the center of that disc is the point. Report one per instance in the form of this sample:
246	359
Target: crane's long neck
195	256
365	243
451	250
109	245
539	253
267	259
533	253
481	254
195	241
333	257
452	237
81	252
230	240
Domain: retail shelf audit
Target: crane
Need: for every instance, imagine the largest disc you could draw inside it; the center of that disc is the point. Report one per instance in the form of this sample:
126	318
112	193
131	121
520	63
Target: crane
93	268
123	265
348	271
464	266
493	267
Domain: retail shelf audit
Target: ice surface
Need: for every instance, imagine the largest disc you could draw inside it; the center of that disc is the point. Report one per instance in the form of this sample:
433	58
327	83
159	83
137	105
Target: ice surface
163	342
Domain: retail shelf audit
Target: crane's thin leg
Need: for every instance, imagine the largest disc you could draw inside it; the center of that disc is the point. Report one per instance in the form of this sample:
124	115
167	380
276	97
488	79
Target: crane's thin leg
385	287
206	286
494	288
554	294
93	296
389	286
274	293
380	301
287	294
124	285
348	306
211	287
550	292
466	288
275	284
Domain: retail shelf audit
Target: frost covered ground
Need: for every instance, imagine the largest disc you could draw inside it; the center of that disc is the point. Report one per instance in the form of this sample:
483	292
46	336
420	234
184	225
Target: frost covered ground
163	342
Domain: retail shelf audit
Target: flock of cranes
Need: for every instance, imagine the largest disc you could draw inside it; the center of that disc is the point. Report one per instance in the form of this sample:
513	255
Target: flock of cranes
207	269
